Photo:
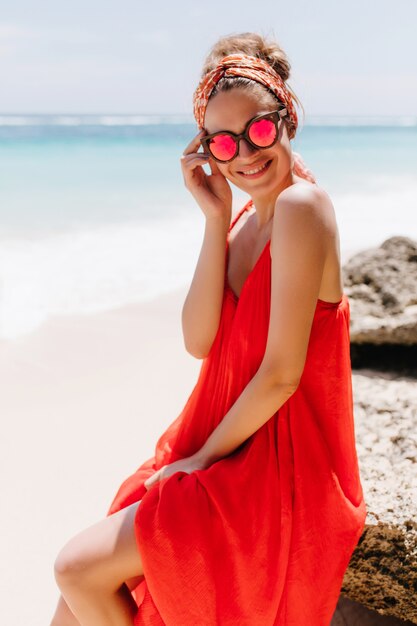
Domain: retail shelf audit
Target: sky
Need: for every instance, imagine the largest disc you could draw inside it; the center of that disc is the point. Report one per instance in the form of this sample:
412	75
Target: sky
86	56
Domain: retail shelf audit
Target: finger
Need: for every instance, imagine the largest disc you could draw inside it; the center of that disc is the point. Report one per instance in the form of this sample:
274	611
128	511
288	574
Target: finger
192	160
194	143
214	168
193	155
194	168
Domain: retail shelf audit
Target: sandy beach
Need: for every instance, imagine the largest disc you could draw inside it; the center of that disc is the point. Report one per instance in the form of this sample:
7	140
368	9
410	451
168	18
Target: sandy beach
83	401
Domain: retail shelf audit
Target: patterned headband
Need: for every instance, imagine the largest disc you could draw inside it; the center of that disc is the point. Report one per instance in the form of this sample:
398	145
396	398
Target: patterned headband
248	67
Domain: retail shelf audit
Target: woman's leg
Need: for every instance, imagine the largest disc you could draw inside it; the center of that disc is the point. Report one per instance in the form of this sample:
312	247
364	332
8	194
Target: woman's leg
92	569
63	615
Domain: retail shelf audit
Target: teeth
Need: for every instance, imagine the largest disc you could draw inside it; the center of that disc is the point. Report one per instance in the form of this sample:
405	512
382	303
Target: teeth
255	171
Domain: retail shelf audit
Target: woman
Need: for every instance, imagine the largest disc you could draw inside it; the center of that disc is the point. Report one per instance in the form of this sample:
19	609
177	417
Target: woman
252	505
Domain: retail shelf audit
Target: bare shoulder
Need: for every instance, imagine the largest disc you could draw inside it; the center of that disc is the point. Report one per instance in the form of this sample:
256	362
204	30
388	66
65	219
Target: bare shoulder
305	201
304	211
307	195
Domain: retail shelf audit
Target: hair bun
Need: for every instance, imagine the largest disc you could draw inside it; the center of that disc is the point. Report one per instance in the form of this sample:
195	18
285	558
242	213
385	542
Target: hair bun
252	44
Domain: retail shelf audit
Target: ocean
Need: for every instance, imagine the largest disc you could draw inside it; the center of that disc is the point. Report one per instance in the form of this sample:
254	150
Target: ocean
94	213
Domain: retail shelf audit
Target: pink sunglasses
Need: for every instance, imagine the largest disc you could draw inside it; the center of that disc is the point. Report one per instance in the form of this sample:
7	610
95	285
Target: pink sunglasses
261	132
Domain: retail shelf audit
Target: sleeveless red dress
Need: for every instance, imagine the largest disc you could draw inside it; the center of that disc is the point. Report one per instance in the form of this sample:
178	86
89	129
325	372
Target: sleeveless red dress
263	536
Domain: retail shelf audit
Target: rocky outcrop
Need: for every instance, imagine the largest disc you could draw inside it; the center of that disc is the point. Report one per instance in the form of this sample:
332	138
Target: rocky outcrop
381	284
380	584
382	574
351	613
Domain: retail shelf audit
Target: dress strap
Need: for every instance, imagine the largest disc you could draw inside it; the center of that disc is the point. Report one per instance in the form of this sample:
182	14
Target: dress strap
245	208
240	213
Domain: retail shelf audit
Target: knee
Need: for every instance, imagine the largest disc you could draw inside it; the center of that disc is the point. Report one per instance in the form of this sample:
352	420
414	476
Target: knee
72	566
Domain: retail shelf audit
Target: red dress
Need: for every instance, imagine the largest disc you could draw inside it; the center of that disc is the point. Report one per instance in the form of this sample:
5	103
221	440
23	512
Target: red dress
263	536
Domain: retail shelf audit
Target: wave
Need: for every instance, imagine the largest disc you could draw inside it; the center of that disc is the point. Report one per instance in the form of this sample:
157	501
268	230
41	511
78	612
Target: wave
111	119
92	270
101	267
376	120
93	120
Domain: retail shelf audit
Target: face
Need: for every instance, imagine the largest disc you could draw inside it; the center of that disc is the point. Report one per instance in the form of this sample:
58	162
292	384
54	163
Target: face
232	110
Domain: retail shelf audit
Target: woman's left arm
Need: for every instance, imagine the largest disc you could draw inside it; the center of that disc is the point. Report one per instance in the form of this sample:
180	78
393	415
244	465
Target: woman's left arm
300	234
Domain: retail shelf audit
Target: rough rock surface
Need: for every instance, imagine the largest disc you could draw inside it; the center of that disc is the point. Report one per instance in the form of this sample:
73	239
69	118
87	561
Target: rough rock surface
381	284
382	574
380	584
351	613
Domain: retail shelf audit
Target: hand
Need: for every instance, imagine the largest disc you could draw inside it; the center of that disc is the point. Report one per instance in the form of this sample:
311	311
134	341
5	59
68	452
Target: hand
212	193
188	465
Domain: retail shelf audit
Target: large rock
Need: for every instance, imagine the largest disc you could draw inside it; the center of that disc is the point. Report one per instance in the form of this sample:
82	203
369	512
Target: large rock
382	573
380	584
381	284
351	613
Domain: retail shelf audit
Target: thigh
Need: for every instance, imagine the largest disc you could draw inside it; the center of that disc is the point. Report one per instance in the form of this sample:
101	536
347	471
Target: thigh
105	554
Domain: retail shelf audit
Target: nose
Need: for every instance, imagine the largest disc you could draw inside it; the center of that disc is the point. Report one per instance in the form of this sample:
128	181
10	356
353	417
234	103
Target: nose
245	148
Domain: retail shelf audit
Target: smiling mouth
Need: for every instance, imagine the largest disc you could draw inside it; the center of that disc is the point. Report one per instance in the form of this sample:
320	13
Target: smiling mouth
256	171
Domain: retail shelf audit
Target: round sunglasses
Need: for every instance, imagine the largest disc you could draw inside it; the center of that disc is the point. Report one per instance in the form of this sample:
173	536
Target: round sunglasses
261	132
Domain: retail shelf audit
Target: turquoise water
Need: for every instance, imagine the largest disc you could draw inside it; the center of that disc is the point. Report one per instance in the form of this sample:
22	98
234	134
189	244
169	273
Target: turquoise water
94	214
67	176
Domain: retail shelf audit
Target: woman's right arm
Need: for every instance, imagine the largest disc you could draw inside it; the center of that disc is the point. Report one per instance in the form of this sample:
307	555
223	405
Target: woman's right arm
202	306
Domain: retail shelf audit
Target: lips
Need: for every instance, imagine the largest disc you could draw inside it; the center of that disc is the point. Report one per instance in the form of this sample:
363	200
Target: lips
256	170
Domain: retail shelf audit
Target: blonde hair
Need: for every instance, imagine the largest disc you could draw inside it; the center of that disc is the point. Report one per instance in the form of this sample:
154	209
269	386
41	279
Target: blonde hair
255	45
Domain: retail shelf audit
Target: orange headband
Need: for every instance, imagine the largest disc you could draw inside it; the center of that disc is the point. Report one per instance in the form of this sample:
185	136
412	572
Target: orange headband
248	67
